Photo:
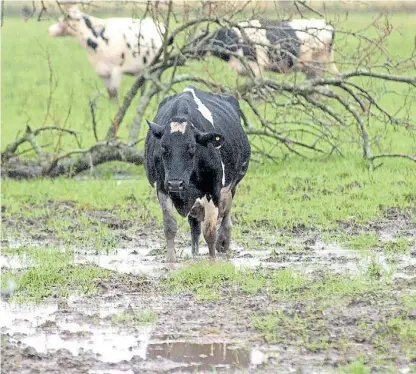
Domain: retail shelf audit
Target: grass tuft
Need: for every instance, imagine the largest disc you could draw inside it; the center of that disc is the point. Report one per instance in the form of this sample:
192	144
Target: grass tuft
54	274
134	317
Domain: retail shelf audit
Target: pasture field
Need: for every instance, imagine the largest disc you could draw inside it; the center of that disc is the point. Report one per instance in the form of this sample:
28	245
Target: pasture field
321	277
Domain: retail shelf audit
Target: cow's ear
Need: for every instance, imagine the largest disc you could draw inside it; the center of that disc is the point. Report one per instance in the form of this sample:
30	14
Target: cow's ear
156	129
205	138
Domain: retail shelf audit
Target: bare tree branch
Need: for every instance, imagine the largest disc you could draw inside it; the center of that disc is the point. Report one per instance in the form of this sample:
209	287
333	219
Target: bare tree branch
284	113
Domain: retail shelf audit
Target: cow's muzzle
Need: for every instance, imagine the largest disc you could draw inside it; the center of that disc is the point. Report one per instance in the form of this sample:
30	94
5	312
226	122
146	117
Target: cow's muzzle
175	186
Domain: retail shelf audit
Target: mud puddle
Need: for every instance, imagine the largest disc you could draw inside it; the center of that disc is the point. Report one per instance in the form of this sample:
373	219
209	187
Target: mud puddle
205	357
146	258
80	335
81	330
332	256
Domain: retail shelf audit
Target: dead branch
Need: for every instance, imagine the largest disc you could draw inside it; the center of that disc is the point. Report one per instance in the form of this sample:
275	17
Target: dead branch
30	136
66	165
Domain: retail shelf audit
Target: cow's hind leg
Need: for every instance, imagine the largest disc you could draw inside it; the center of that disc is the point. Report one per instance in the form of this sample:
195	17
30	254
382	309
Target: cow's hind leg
224	233
169	223
195	234
206	212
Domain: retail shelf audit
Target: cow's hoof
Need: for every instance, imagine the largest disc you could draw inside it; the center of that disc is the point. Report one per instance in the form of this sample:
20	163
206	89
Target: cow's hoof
222	245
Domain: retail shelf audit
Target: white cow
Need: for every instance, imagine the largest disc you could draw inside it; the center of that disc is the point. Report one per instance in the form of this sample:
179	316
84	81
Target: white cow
114	46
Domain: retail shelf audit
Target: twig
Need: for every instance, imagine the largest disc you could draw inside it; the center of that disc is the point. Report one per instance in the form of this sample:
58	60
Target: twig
2	12
44	9
393	155
94	122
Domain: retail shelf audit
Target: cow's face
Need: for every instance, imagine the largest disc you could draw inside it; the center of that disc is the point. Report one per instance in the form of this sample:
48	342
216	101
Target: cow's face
66	26
178	145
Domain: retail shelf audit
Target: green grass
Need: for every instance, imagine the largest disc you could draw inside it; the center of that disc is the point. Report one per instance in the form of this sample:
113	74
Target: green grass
280	328
134	317
356	367
53	274
209	280
397	246
272	203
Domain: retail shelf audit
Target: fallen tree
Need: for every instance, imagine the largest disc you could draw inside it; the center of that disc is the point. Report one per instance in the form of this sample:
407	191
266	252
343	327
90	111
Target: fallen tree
316	116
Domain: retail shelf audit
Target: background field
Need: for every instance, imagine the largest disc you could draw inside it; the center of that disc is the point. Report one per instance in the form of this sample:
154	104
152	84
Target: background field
306	217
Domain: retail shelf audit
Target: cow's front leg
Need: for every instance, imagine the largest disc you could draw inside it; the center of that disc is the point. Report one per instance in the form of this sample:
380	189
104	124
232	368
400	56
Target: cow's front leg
195	234
112	83
169	224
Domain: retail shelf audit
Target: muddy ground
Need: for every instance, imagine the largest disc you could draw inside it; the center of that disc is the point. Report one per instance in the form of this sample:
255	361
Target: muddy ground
313	334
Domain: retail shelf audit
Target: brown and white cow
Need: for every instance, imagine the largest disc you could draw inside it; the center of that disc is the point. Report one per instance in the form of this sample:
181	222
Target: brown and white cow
281	46
114	46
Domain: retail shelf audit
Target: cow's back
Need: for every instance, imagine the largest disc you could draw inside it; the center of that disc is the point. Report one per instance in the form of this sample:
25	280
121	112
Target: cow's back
129	44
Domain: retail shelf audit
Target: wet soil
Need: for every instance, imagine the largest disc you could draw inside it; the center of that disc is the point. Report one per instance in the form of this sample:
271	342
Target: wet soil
79	335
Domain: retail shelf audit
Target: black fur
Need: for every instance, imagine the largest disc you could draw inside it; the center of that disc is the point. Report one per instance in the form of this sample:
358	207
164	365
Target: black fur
103	37
92	44
89	25
285	44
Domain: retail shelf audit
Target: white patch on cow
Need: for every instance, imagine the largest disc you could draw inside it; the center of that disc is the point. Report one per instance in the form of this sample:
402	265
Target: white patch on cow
178	127
223	173
209	221
315	37
206	113
257	35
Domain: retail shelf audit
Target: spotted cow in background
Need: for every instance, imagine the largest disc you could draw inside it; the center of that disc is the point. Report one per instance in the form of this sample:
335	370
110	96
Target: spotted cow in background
280	46
114	46
196	153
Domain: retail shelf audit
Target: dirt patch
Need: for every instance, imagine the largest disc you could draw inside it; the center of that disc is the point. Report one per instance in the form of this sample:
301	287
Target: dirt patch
135	324
191	335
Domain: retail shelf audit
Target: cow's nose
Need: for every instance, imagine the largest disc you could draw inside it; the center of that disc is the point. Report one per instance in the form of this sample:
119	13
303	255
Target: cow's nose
175	185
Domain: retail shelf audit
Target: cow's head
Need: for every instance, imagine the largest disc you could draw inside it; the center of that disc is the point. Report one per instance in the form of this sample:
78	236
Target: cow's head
178	146
218	44
68	25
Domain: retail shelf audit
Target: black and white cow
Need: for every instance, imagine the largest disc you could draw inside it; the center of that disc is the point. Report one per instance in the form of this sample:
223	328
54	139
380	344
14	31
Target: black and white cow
114	46
280	46
195	155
